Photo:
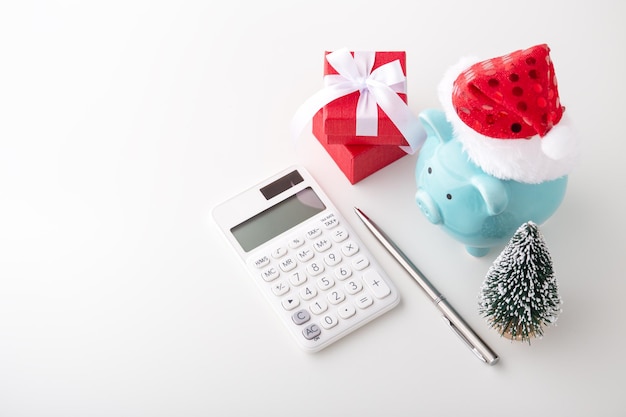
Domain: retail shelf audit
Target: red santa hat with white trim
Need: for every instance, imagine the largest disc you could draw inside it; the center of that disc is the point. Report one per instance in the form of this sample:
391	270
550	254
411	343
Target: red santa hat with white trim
507	113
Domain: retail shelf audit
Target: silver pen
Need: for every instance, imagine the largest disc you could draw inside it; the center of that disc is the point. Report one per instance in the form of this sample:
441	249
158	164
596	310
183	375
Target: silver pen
450	316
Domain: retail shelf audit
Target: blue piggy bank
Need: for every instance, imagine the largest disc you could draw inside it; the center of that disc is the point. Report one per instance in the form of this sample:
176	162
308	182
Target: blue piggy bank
479	210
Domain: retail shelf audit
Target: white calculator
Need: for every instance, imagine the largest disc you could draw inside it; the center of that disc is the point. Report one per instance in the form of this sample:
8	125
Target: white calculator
307	261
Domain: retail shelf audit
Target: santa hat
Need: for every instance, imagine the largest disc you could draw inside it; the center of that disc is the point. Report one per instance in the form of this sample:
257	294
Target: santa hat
507	114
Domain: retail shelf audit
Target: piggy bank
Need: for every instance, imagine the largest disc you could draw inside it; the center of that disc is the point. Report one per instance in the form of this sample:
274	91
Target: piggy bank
477	209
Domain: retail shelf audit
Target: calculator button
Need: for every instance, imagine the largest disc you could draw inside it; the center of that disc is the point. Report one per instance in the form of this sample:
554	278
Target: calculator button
364	301
353	286
346	311
325	283
279	252
339	234
308	292
343	272
318	307
349	248
322	245
301	316
335	297
332	258
376	284
311	332
261	262
287	264
330	221
313	233
270	274
297	278
280	288
315	268
296	242
328	321
290	303
360	263
305	254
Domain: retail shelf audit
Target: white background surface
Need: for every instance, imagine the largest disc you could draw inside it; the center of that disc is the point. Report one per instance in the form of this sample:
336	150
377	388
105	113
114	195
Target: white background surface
123	123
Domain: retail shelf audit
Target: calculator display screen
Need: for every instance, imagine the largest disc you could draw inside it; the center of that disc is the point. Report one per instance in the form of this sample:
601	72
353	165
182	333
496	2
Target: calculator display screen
278	219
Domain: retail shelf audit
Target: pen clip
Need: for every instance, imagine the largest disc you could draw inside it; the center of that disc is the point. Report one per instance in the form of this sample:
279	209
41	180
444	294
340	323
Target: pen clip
464	339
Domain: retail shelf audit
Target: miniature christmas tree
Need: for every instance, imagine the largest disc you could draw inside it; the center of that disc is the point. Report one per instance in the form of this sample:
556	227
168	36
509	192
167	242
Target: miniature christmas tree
520	295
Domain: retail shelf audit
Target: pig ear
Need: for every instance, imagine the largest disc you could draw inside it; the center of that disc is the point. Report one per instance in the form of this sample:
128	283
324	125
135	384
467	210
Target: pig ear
493	192
435	123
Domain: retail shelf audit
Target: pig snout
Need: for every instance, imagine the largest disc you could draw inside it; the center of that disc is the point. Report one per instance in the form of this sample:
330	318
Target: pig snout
428	206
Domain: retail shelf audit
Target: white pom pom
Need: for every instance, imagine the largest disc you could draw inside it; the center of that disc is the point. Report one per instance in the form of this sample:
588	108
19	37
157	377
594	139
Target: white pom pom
561	141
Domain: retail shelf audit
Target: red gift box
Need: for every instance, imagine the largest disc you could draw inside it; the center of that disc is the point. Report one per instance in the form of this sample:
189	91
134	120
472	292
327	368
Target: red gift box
339	116
356	161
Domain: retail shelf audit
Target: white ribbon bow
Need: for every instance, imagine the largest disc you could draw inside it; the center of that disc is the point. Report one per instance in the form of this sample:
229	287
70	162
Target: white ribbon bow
377	88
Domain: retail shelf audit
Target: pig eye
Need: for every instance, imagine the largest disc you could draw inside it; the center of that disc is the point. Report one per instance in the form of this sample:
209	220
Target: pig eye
449	196
430	170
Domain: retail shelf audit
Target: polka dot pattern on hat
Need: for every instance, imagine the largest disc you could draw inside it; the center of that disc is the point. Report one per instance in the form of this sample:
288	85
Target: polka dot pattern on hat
514	96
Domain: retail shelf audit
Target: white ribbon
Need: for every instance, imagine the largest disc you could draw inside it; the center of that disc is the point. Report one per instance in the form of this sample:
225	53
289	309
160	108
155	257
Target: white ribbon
377	88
